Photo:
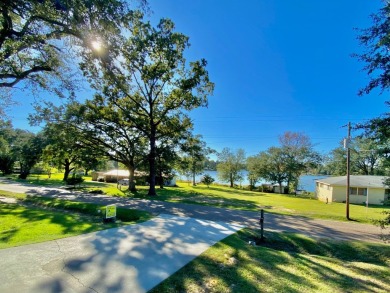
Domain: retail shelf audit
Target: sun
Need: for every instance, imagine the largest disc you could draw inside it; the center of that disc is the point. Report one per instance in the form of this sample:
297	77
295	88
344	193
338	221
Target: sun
96	45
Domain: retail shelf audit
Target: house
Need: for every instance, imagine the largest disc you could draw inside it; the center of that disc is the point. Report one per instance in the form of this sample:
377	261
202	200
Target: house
116	175
363	189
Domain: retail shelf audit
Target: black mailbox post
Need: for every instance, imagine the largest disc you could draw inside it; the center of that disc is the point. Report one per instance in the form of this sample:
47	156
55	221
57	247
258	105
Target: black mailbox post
261	222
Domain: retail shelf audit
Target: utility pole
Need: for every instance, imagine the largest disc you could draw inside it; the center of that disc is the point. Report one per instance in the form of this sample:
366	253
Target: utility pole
347	142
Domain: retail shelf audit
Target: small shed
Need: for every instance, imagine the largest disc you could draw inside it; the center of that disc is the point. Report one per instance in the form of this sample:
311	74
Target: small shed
363	189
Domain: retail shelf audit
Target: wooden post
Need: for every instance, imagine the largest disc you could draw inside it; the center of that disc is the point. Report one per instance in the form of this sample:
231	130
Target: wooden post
261	225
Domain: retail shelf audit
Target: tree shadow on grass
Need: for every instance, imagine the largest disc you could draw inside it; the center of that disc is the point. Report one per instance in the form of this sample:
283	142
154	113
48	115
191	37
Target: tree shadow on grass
37	222
284	263
193	196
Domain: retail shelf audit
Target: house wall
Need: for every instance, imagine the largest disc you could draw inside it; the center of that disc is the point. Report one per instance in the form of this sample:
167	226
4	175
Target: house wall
338	194
376	195
95	175
324	192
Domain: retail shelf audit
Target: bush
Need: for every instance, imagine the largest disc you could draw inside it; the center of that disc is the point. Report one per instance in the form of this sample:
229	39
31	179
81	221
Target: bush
207	180
6	163
74	180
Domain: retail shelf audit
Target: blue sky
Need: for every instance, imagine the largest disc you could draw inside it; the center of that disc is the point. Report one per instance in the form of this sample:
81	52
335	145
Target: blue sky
277	66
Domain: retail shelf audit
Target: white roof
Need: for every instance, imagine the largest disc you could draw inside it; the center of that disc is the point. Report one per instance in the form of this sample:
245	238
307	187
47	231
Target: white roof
118	172
124	173
356	181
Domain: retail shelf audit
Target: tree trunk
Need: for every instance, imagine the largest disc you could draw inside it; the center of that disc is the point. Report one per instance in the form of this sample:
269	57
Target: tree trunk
132	187
152	161
280	187
231	181
288	186
161	179
251	184
68	169
193	176
24	172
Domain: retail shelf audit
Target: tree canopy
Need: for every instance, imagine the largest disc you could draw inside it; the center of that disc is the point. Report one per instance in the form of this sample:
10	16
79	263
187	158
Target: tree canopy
19	148
230	166
38	36
375	41
285	163
194	152
151	76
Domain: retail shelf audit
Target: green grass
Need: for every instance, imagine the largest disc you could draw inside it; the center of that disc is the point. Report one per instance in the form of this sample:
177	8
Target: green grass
55	180
125	215
22	225
44	219
221	196
284	263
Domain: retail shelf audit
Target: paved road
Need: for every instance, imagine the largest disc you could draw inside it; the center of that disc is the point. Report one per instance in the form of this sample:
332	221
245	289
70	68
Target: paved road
273	222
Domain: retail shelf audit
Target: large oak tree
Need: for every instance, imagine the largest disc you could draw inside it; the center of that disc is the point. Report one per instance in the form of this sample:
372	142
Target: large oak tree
151	73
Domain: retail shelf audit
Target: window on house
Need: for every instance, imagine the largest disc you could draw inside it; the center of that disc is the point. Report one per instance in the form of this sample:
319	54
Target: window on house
362	191
358	191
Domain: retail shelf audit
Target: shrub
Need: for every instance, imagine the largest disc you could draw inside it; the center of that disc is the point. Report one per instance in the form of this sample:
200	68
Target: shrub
207	180
74	180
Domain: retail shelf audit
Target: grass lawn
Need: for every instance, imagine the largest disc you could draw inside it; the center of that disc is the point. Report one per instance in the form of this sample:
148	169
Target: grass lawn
221	196
44	219
21	225
284	263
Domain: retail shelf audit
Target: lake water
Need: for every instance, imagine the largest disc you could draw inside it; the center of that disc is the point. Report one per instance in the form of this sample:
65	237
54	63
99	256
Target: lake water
306	182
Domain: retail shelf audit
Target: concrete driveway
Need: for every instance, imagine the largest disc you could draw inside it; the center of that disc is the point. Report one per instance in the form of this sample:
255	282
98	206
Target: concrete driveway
132	258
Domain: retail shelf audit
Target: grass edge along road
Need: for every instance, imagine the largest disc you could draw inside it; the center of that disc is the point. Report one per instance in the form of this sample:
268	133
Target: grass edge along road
285	262
34	220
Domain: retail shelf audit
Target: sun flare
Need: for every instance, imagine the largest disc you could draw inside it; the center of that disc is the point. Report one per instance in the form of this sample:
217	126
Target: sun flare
96	45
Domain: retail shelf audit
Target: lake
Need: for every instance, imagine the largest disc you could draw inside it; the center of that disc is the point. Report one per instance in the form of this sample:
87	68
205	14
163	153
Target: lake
306	182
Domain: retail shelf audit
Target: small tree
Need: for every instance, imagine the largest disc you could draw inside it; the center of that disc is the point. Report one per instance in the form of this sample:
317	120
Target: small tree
298	155
195	153
271	166
231	165
207	180
253	174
